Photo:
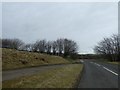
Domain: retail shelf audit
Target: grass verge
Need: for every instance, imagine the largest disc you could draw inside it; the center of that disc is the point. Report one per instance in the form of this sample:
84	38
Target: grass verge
117	63
63	77
14	59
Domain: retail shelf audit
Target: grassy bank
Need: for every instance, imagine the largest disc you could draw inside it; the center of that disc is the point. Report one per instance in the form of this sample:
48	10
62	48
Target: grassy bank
63	77
12	59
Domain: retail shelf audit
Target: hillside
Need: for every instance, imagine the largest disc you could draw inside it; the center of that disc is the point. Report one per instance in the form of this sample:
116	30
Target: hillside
12	59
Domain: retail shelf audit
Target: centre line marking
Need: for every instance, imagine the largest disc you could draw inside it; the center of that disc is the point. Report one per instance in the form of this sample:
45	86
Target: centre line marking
110	71
98	64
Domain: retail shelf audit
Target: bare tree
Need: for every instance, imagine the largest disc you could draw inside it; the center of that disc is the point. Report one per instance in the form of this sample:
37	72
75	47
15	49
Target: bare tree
12	43
48	47
60	45
54	47
70	47
35	47
109	47
116	47
16	43
6	43
26	47
40	46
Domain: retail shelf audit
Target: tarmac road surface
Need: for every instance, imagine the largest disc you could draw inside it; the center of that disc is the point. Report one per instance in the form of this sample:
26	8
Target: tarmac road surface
99	75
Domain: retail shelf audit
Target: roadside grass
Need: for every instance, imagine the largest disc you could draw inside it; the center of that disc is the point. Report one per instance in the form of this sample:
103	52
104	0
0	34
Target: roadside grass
73	61
13	59
62	77
117	63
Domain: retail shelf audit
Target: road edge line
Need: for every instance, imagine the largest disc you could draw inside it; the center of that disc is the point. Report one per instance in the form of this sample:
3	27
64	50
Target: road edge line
110	71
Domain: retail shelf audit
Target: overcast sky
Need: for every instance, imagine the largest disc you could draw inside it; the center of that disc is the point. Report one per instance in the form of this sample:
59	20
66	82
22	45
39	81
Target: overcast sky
86	23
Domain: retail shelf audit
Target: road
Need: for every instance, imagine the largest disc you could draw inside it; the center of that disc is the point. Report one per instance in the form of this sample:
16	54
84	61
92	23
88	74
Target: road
11	74
99	75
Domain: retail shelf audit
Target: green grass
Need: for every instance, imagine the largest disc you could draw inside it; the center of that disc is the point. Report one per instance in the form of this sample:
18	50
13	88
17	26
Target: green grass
62	77
11	59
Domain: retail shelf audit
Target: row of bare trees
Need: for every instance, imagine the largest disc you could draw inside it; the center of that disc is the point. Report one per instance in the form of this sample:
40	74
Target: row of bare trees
109	48
12	43
63	47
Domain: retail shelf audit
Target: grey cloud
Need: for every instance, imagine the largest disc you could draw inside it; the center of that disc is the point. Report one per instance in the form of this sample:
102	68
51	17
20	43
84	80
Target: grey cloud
86	23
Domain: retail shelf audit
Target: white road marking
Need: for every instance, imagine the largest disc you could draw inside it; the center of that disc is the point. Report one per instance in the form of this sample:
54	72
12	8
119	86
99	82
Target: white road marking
105	68
97	64
91	62
81	61
110	71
